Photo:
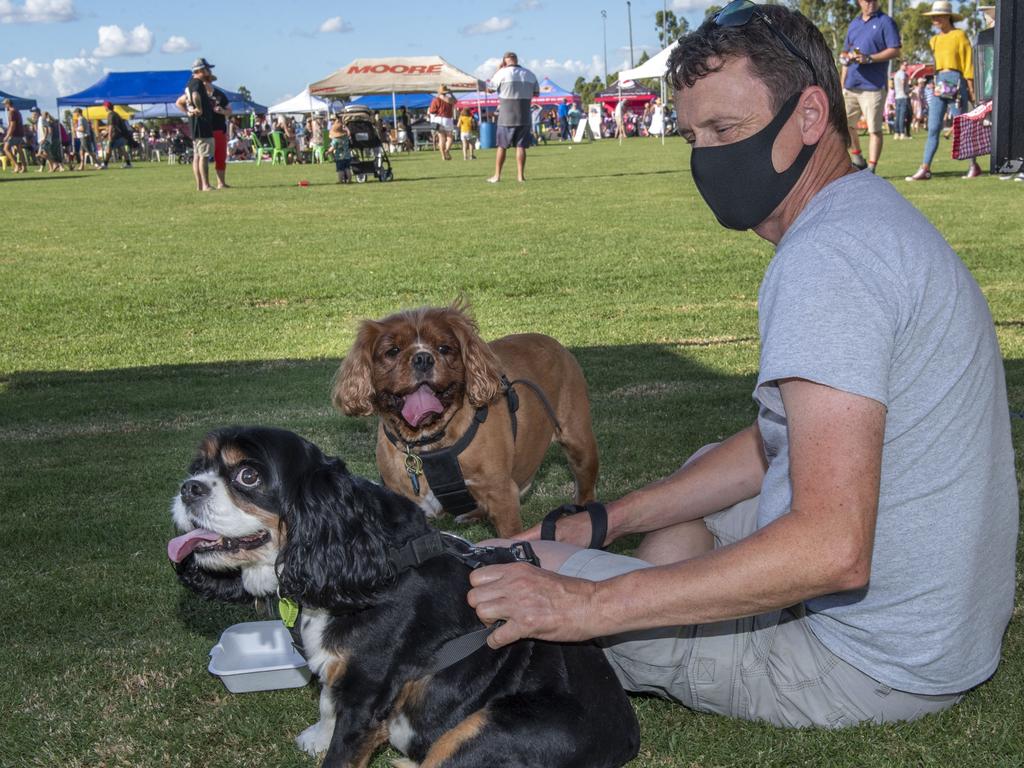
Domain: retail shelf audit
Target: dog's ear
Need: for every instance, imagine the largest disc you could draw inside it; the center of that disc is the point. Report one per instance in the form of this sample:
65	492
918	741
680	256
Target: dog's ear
225	586
352	393
335	552
483	369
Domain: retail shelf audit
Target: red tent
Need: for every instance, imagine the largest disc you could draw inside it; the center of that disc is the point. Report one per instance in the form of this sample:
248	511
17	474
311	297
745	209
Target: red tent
635	96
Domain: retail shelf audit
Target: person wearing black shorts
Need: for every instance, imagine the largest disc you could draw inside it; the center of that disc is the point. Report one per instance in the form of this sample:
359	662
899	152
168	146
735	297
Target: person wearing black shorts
515	86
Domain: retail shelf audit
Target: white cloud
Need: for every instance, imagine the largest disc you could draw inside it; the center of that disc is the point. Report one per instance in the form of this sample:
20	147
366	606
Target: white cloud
563	71
114	41
336	24
36	11
489	26
177	44
527	5
47	81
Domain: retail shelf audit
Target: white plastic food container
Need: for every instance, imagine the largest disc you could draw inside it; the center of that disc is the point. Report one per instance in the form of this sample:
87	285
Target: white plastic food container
258	656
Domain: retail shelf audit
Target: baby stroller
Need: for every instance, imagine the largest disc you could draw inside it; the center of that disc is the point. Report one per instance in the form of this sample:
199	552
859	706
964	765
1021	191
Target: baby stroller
181	148
368	153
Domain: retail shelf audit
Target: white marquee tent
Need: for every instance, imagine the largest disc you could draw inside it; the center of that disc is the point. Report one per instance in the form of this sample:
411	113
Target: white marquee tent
656	66
304	102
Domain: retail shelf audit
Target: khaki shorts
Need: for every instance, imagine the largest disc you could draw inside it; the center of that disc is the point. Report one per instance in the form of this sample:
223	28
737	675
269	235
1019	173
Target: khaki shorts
769	667
203	147
869	104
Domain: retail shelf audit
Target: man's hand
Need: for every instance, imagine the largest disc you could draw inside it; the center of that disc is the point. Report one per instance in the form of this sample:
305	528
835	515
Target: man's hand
533	603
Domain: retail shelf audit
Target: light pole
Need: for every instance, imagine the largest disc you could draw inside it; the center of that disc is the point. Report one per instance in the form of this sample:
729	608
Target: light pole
604	25
629	15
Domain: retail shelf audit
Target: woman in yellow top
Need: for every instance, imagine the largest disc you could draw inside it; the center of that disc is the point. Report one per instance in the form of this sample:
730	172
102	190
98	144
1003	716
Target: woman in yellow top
466	137
954	83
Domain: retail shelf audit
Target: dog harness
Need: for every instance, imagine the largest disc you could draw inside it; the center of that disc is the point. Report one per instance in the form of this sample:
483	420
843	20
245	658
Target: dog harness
441	467
434	544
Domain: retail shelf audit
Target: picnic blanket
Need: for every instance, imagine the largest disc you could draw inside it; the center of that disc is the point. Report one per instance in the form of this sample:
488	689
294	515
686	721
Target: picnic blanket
972	132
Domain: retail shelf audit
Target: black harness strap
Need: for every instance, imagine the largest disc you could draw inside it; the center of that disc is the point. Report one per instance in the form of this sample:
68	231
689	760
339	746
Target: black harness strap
431	545
444	473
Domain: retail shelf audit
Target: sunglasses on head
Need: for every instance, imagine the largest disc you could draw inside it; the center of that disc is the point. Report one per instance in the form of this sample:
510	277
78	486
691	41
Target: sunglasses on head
738	13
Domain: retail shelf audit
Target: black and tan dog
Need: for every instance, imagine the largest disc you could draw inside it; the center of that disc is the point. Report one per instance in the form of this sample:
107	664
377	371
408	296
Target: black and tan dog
264	512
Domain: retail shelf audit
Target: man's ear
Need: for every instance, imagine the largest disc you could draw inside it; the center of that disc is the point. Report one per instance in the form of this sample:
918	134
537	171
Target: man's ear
813	113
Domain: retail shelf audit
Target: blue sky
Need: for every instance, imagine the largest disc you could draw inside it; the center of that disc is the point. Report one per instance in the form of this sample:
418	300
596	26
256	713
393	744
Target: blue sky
56	47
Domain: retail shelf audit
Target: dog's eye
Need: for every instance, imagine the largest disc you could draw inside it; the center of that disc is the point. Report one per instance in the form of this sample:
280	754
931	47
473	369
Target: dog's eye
444	349
393	352
247	477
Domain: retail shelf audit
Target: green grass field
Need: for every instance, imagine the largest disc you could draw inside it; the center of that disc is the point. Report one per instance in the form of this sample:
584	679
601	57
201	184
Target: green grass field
136	314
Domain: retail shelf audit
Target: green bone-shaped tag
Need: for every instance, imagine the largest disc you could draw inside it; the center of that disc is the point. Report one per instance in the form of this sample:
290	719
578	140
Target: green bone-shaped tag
288	610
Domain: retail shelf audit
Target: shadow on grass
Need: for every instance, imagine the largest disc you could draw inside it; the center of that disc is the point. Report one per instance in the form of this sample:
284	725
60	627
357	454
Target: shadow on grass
91	460
36	176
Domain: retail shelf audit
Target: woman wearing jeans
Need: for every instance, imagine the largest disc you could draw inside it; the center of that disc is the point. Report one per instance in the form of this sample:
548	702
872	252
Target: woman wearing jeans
954	73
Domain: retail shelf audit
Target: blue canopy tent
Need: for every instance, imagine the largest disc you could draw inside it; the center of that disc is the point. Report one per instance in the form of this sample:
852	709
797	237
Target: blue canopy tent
238	104
384	101
18	101
163	87
550	93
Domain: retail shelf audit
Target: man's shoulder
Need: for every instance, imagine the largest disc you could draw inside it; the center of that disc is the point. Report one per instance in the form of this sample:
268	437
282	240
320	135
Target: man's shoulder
888	20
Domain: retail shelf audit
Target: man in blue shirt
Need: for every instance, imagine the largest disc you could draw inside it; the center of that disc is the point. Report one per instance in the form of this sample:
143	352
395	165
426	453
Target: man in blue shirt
563	120
872	39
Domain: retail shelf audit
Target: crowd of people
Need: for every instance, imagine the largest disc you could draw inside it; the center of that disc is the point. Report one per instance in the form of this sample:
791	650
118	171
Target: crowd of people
930	103
876	103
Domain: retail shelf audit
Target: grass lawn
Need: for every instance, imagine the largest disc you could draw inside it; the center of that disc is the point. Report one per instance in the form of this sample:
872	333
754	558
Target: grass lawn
136	314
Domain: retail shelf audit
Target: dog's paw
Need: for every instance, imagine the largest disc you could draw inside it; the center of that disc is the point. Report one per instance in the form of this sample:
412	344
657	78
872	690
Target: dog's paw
470	517
403	763
316	739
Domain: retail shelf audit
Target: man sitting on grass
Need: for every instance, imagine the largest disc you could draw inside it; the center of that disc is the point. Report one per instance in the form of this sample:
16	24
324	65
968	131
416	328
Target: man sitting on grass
849	556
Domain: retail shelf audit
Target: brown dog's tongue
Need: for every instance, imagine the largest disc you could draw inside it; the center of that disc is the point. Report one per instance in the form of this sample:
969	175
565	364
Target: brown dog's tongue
420	404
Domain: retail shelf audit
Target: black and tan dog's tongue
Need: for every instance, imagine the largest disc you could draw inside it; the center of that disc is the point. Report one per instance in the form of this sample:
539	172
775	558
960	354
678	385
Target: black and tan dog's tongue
419	405
181	547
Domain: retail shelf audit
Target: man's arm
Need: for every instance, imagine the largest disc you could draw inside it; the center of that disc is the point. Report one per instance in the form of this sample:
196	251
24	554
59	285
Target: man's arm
724	475
183	103
823	545
874	58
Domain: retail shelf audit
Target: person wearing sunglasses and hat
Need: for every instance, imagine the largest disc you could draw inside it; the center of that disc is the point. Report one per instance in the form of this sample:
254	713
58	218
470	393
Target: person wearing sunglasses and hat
849	556
196	103
954	83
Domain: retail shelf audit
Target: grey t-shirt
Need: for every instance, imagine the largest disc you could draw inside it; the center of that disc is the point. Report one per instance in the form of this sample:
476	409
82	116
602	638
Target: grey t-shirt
515	87
864	295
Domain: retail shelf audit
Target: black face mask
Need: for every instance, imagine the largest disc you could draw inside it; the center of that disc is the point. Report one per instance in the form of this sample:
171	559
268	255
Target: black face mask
739	182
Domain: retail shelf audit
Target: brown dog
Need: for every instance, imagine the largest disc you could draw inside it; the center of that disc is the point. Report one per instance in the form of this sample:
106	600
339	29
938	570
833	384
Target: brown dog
436	384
